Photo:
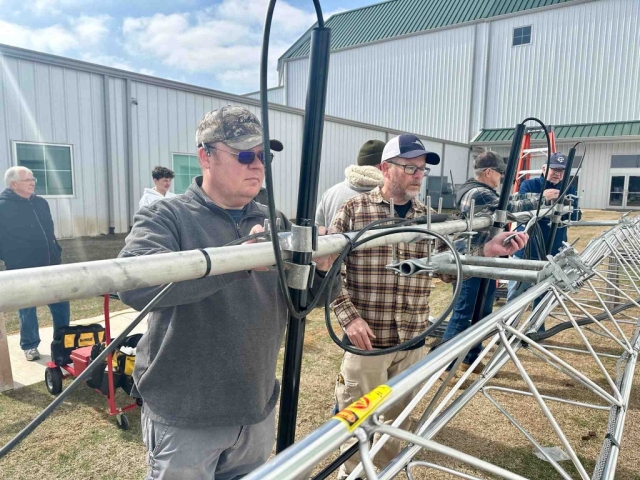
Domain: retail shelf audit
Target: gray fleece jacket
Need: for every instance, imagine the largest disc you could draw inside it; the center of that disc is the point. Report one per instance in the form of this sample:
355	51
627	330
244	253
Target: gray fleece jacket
209	355
359	179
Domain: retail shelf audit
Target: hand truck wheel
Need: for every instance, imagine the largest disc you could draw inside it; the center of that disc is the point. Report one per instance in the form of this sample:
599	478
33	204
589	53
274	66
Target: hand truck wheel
123	421
53	380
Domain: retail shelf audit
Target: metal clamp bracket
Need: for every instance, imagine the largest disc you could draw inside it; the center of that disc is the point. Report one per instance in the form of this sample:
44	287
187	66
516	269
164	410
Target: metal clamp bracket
300	277
558	273
300	239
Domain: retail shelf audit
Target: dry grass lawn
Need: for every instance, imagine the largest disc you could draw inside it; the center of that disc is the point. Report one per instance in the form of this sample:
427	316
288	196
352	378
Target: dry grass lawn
80	441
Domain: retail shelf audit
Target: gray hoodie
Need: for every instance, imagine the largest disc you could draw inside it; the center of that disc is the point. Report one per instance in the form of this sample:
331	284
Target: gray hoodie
359	179
209	355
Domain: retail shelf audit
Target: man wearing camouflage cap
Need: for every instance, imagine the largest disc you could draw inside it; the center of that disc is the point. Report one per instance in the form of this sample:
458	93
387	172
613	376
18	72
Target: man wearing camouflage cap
205	369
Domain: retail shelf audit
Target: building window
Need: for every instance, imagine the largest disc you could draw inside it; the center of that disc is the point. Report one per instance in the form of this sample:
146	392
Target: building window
521	35
625	161
185	167
51	164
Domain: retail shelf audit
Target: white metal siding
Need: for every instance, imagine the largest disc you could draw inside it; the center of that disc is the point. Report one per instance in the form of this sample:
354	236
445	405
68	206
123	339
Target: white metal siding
48	104
593	187
274	95
582	66
164	122
419	84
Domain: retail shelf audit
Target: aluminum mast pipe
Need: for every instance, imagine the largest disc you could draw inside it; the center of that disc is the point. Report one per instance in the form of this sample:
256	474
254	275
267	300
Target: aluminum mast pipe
409	268
499	262
44	285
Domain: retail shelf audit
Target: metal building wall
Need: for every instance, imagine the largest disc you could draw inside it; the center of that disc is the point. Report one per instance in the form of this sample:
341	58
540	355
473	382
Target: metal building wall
274	95
49	104
582	66
164	122
418	84
593	187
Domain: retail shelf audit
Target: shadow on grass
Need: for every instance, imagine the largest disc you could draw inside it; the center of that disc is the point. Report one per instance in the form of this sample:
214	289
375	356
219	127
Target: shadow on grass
519	460
19	407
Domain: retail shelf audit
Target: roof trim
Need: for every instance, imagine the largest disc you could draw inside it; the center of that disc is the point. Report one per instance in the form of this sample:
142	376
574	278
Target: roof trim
258	91
303	38
612	127
624	139
63	62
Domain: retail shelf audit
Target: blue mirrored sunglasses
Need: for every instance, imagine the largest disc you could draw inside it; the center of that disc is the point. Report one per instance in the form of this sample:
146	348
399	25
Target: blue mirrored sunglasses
245	157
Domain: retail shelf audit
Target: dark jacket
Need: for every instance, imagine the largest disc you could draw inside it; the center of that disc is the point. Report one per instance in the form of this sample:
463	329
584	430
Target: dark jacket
535	185
209	355
26	232
486	198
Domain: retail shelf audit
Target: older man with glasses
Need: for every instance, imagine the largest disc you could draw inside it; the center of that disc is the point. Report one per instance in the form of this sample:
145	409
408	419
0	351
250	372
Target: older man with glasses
205	369
376	308
27	240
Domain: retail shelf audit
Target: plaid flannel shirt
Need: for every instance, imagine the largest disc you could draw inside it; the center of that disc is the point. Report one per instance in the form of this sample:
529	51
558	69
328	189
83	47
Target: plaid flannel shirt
487	199
396	308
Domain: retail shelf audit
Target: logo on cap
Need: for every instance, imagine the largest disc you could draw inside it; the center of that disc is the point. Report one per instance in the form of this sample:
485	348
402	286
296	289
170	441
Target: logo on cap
560	159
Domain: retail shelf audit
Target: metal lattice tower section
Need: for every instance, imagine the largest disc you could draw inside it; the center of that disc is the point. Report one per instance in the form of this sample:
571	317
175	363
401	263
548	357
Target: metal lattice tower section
594	295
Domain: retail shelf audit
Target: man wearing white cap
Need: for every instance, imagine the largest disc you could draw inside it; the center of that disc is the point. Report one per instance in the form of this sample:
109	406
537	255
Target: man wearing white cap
376	308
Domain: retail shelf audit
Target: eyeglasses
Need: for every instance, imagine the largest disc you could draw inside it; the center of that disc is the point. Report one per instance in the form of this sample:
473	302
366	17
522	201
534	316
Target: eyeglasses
29	180
245	157
411	169
498	171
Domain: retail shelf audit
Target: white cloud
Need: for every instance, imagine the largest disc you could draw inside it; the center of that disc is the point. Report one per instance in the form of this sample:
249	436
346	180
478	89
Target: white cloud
57	39
53	7
224	40
90	30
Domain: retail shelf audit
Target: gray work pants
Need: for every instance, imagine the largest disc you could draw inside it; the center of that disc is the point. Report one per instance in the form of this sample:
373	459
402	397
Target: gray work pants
214	453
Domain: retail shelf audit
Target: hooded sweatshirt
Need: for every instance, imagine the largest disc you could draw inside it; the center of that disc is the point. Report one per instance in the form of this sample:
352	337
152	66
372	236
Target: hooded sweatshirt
150	195
209	355
358	180
26	232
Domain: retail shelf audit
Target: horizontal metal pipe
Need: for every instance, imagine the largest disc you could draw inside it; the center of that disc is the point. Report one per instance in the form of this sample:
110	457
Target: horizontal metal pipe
499	262
593	223
44	285
494	273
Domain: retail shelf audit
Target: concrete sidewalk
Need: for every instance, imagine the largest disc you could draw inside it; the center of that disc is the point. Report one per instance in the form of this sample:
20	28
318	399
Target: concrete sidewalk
27	373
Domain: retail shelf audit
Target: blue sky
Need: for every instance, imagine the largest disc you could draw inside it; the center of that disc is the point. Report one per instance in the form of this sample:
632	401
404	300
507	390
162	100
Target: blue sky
213	43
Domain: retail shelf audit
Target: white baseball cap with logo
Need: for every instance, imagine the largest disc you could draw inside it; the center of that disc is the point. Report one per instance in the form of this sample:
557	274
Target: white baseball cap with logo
408	146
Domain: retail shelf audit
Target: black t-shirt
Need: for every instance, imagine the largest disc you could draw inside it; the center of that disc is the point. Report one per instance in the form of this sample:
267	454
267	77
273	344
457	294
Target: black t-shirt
402	210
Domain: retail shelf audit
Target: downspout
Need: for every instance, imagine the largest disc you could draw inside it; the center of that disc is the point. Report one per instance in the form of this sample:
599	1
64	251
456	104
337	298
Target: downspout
129	163
107	131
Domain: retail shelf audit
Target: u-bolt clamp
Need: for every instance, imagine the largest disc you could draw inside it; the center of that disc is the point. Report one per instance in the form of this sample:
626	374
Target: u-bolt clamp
469	232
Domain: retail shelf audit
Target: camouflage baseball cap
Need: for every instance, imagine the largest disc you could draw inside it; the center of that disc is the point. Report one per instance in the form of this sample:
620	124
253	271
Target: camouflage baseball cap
234	126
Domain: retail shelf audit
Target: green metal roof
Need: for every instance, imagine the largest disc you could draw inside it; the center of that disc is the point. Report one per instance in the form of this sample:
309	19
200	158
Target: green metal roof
587	130
401	17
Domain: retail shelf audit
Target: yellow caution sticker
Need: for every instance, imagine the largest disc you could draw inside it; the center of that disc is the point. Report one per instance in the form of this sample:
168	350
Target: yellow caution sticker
358	411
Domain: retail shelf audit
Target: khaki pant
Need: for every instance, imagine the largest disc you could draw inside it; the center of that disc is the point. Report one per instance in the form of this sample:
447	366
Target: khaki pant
358	376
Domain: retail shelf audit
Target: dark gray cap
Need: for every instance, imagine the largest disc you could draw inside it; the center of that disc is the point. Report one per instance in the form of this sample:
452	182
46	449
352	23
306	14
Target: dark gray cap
234	126
490	159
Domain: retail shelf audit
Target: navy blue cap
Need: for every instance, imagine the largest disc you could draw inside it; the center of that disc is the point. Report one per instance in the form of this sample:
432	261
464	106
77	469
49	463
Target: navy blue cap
408	146
558	160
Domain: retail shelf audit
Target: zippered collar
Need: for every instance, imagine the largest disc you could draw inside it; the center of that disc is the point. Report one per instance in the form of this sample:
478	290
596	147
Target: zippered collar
195	192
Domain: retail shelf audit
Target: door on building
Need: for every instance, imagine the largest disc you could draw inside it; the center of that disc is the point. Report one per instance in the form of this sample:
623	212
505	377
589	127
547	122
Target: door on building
624	191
